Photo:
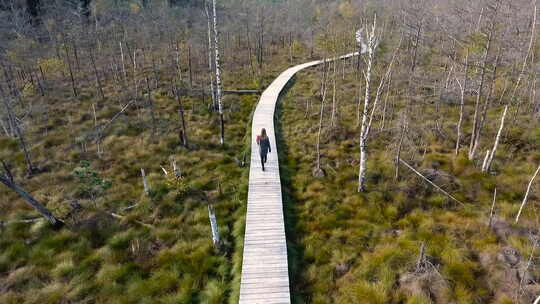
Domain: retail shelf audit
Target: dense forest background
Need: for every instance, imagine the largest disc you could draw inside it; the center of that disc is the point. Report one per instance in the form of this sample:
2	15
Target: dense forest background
109	121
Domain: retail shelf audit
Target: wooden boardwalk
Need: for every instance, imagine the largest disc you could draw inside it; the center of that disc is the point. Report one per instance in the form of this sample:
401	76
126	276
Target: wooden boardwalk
265	273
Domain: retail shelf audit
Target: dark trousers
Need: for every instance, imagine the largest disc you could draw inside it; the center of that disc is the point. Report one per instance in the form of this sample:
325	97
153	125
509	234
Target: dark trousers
263	159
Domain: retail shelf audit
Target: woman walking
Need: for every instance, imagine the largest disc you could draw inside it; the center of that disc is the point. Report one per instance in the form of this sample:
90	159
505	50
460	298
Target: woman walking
264	146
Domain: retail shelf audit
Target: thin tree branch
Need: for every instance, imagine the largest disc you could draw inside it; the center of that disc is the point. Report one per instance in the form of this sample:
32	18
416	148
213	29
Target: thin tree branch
430	182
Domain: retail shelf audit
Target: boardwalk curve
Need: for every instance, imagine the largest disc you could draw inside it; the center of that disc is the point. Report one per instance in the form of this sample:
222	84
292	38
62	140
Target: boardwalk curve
265	273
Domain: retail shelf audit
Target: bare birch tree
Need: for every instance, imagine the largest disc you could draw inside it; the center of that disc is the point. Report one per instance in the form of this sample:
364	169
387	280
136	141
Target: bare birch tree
210	51
371	42
218	75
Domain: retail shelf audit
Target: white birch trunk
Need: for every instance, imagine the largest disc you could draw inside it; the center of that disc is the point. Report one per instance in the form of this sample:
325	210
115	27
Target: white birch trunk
363	132
527	194
210	48
487	165
484	163
218	75
371	45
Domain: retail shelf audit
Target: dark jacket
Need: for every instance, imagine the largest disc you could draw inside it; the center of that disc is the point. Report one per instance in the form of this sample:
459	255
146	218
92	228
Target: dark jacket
264	145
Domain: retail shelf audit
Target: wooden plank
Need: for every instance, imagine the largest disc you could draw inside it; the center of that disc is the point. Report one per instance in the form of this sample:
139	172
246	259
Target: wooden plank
265	277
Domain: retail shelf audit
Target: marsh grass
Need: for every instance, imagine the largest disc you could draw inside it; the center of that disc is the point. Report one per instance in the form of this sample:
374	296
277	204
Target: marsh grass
100	259
345	246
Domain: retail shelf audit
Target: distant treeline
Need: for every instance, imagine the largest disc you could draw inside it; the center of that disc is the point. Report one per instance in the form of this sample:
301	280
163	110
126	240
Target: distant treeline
34	8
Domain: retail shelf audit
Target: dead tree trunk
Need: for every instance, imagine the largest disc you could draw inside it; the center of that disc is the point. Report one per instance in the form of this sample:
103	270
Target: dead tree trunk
145	182
183	132
492	211
524	202
463	89
11	87
151	104
416	42
190	70
487	164
260	50
385	104
98	82
318	171
524	65
76	55
123	62
73	84
7	179
476	121
213	224
177	61
155	68
400	144
421	262
247	13
525	277
15	126
486	105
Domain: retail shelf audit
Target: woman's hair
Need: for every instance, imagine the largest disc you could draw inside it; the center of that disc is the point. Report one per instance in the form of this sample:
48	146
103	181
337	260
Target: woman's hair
263	132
